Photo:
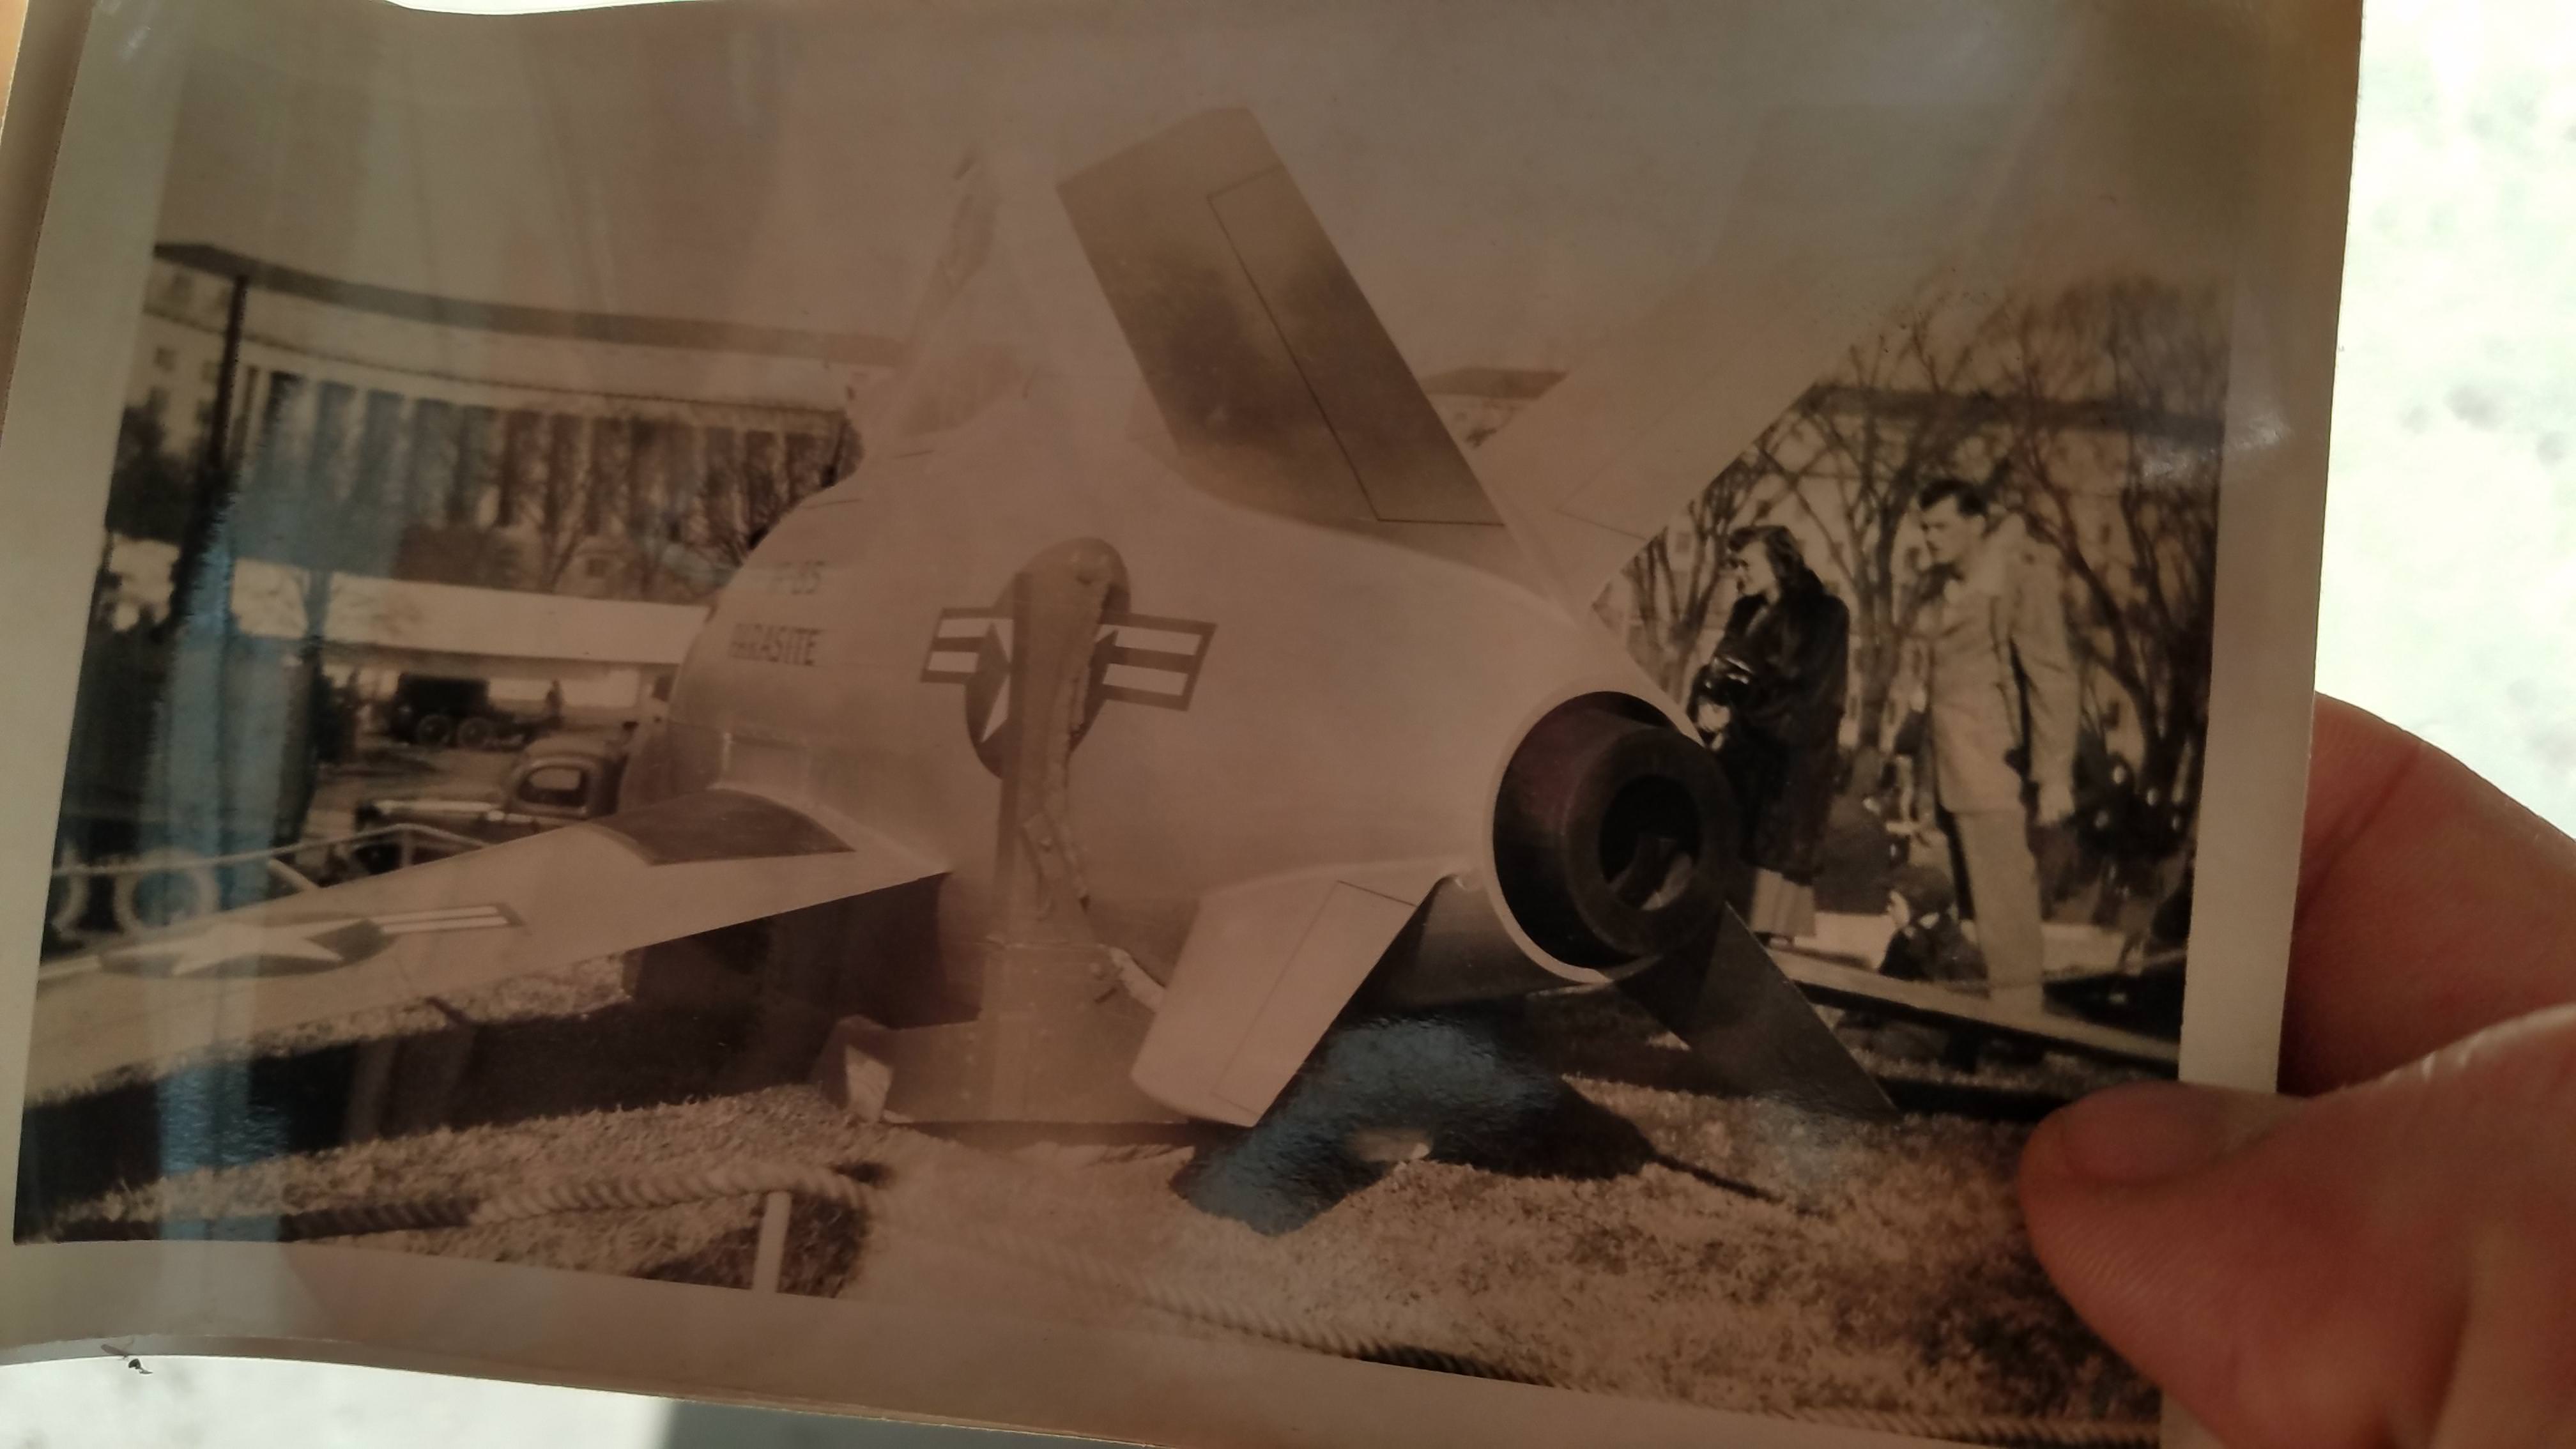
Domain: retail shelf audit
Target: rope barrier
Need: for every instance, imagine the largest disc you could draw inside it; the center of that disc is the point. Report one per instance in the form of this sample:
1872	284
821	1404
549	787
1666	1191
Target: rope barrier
2051	1433
141	866
126	878
670	1189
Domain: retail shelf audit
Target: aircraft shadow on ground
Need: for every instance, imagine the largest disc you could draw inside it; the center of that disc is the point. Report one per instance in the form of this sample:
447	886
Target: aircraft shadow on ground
1461	1088
1480	1089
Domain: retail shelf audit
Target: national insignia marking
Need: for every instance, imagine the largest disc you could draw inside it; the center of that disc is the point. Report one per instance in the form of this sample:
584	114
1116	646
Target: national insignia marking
286	947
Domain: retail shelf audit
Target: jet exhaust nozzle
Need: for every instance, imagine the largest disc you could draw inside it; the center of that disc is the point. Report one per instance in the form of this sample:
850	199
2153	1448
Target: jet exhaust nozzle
1614	833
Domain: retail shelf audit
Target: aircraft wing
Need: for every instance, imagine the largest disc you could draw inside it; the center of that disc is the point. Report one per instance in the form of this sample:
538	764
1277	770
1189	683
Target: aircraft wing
663	871
1842	214
1277	386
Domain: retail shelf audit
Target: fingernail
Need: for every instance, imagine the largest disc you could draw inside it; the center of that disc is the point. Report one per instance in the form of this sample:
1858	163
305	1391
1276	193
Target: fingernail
2154	1131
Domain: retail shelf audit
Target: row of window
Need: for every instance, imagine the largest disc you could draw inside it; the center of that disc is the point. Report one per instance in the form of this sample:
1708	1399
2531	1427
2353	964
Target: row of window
471	464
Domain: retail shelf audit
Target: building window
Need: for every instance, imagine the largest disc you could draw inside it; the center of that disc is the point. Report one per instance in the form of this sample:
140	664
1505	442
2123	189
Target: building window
213	369
165	358
611	476
478	464
156	401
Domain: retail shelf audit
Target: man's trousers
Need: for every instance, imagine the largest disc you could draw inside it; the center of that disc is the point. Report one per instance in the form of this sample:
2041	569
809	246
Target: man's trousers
2002	892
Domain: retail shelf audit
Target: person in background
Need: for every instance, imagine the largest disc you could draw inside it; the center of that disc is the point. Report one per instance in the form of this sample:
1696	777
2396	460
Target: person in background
2001	708
1927	945
1777	683
1900	793
554	706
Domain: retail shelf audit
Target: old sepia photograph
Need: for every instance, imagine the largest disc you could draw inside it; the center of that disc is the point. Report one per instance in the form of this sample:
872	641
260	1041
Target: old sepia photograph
1946	627
1500	692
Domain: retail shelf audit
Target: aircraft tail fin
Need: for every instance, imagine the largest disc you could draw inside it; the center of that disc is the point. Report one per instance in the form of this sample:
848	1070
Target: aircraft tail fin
1277	384
972	341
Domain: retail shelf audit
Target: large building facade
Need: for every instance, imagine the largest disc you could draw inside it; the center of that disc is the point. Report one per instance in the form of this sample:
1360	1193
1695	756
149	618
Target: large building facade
405	435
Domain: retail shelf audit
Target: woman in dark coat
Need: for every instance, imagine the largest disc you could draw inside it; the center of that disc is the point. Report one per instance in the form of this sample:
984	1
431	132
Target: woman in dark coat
1780	674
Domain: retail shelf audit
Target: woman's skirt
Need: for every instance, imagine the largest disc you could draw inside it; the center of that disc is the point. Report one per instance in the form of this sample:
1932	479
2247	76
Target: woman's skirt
1780	906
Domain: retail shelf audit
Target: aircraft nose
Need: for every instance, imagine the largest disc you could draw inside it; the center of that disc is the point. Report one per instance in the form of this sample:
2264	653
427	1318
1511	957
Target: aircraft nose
1615	836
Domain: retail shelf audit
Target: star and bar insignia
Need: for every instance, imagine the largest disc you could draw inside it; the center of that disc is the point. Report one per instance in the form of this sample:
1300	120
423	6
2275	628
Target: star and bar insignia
1141	659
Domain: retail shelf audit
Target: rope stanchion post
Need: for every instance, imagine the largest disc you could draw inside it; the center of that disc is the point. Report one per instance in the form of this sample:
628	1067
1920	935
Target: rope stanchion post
769	1259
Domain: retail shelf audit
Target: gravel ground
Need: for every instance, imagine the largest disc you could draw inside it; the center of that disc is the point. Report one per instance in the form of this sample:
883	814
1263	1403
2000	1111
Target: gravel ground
2457	376
1880	1267
1664	1243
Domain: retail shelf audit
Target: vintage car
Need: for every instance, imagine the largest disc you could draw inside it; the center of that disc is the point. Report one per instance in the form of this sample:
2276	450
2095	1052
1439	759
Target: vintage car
559	780
434	711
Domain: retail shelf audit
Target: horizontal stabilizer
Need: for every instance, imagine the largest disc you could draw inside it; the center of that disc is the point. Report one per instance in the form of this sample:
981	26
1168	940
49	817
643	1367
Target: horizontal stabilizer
1268	966
1842	214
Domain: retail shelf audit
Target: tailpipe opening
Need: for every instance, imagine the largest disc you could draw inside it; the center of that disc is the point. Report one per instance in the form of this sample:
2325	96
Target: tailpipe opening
1614	833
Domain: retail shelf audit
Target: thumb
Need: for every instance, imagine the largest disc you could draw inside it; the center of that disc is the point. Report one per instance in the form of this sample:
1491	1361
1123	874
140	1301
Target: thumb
2390	1264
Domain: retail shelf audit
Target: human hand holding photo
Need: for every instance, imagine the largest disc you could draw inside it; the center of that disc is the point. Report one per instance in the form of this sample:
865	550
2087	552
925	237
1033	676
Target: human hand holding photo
2392	1261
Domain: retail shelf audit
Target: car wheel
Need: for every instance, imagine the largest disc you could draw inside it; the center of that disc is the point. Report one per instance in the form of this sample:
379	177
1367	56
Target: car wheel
474	734
433	731
166	885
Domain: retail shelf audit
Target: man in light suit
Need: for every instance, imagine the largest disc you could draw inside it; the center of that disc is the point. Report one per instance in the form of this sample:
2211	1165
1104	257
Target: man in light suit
2001	714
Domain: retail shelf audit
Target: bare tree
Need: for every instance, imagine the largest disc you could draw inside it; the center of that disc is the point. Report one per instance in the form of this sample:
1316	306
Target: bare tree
653	506
680	507
727	520
2096	412
322	491
2127	495
1861	445
1843	464
465	554
751	479
566	490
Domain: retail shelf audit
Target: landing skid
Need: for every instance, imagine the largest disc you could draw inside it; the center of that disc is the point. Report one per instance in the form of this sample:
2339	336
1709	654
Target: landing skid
1752	1028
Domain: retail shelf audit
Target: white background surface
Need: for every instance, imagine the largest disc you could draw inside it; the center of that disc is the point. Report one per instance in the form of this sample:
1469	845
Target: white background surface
2450	585
2450	581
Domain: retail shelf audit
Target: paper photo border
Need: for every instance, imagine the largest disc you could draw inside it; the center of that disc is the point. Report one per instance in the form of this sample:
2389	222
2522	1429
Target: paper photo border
82	248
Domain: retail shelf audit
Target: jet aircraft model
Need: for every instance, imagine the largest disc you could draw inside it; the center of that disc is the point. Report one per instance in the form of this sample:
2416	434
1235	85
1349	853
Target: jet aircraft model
1164	687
